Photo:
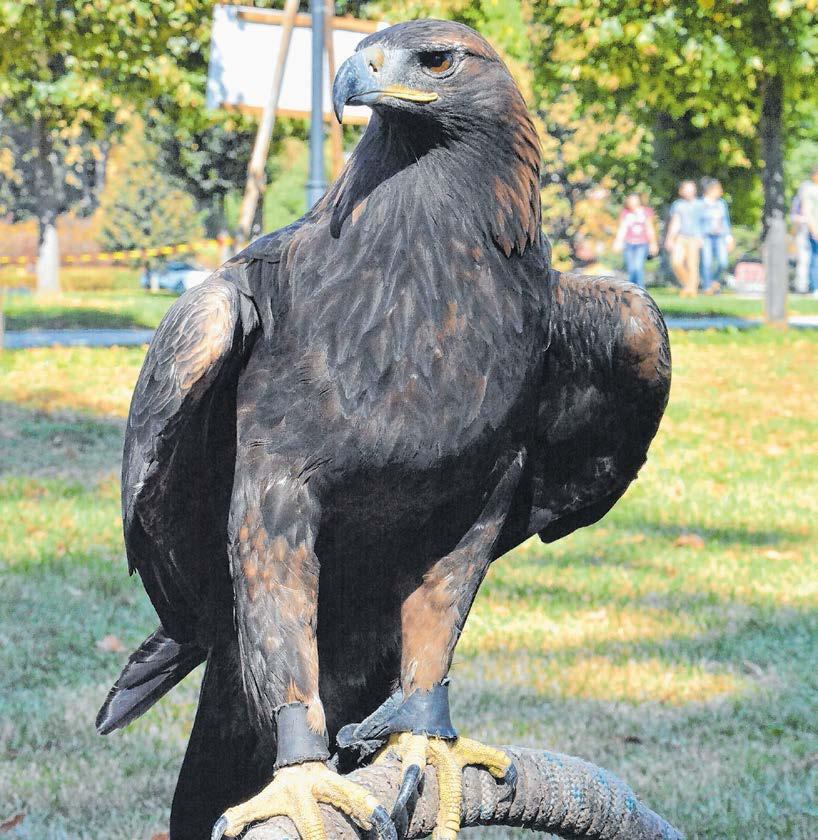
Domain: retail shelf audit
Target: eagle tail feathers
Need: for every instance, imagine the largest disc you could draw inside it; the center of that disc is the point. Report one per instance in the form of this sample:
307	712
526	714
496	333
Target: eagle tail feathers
152	670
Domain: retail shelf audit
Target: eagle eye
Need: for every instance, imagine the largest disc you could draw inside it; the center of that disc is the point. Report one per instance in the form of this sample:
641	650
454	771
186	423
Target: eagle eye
437	62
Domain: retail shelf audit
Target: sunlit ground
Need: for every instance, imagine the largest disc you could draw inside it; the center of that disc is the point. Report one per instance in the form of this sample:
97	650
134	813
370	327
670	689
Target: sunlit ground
675	643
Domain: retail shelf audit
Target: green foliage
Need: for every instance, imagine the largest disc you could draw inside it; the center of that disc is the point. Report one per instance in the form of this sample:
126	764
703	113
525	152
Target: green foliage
704	56
590	153
210	159
285	198
71	63
142	207
71	73
691	70
74	168
804	154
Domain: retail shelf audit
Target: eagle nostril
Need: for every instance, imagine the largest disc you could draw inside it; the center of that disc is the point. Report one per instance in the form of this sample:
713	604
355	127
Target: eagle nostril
374	60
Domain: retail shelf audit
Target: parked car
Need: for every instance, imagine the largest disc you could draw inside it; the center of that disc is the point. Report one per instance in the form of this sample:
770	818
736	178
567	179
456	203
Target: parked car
175	276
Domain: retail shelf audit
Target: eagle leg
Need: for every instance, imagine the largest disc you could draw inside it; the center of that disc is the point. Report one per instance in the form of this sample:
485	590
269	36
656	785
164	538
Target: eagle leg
295	792
300	784
448	757
432	619
273	525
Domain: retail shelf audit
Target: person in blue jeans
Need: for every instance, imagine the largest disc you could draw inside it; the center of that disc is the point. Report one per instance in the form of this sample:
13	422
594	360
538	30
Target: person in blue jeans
636	237
809	210
717	236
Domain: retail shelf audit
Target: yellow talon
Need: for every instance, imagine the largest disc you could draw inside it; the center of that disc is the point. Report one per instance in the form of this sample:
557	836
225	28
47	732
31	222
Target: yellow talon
295	793
448	758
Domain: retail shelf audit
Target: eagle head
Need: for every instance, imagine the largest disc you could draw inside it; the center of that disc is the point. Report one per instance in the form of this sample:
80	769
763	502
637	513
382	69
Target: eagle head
434	70
448	115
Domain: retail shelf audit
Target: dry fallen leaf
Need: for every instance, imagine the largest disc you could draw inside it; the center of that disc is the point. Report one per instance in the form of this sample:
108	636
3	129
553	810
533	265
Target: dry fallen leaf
110	644
689	541
163	835
12	821
751	668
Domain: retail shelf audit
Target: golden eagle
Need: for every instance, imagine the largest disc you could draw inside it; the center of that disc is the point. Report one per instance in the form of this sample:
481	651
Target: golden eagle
334	436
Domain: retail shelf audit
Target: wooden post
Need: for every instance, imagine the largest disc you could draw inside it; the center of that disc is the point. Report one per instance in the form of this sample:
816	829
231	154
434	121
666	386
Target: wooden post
335	130
261	146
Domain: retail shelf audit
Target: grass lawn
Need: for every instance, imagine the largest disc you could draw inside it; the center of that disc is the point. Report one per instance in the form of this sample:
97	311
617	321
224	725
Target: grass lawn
100	297
674	643
87	310
724	304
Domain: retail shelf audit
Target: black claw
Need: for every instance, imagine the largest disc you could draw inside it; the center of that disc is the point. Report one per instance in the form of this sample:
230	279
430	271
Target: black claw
408	788
510	778
219	828
382	827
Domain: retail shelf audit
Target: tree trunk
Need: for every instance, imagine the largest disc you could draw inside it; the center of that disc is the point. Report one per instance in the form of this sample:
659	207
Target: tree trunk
776	267
48	250
48	254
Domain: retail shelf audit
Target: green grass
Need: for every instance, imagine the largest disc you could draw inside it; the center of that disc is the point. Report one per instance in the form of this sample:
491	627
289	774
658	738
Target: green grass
724	304
86	310
674	643
94	297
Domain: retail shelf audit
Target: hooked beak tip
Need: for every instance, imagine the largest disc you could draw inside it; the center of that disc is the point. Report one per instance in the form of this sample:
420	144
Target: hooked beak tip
350	79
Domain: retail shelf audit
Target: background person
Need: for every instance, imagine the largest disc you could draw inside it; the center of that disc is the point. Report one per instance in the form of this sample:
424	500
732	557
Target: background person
809	211
803	252
636	237
717	235
684	239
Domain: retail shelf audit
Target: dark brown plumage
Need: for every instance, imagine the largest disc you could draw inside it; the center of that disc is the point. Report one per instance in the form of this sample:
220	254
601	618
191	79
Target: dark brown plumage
333	437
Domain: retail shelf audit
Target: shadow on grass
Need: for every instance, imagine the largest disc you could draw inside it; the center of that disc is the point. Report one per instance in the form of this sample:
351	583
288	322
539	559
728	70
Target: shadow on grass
75	318
706	310
724	537
62	445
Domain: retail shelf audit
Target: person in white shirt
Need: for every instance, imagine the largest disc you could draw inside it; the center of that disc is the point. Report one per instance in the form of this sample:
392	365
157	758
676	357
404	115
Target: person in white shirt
809	211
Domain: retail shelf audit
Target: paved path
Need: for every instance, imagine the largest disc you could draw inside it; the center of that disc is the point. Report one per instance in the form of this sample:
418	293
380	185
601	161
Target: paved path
727	322
712	323
24	339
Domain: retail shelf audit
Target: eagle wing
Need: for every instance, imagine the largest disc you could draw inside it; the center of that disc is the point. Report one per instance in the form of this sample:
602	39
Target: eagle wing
180	442
605	385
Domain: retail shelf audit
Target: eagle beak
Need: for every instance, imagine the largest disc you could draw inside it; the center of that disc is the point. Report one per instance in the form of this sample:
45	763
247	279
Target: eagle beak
360	81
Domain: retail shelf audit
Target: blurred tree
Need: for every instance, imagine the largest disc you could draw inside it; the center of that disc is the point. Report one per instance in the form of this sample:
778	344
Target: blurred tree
141	206
804	154
206	152
69	169
592	155
683	150
71	71
742	70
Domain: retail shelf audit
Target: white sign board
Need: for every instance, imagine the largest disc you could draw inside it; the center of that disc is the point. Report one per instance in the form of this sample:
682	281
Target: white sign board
243	50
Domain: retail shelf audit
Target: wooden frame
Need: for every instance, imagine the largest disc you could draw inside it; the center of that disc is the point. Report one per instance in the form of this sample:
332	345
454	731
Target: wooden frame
276	17
292	113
